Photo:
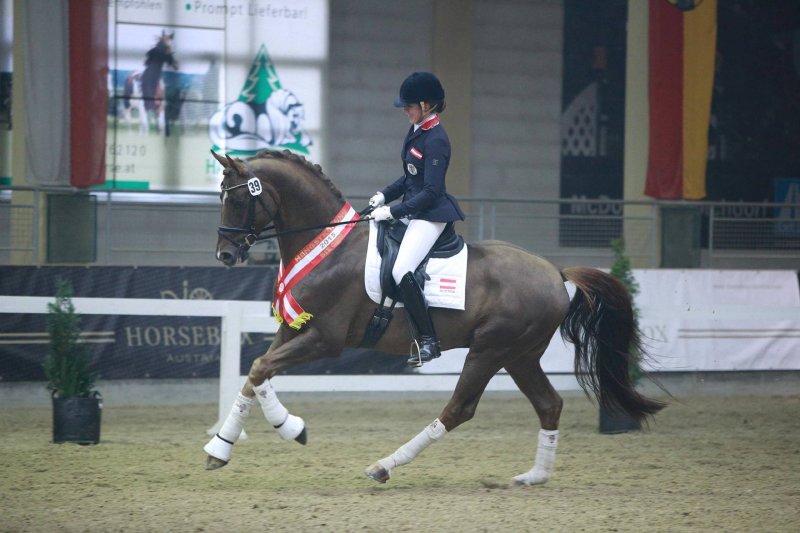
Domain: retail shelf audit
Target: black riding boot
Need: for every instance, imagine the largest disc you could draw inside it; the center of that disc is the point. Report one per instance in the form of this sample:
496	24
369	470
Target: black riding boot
421	323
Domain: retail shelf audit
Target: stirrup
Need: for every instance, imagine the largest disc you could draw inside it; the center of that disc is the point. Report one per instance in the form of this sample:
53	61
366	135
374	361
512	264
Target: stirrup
417	359
414	361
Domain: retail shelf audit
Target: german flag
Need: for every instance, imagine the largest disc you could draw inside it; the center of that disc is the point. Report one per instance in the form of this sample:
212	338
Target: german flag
682	48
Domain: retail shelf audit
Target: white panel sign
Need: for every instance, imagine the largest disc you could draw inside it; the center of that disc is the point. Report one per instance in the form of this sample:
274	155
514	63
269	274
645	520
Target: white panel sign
699	320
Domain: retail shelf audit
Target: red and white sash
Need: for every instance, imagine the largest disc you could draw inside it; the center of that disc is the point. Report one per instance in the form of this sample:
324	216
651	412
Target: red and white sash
285	307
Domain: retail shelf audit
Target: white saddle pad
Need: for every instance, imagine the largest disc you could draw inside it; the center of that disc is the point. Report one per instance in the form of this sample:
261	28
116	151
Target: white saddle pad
446	288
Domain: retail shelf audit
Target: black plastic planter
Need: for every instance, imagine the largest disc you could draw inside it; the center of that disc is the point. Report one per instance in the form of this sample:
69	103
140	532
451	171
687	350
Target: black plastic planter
77	420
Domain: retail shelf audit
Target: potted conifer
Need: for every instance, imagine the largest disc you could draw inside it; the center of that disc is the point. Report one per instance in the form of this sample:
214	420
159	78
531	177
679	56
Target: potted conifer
613	421
76	405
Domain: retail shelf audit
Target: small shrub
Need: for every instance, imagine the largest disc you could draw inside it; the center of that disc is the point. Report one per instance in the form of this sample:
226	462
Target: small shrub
67	365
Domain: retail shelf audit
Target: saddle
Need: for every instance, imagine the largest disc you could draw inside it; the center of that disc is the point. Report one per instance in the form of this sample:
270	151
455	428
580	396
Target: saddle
389	236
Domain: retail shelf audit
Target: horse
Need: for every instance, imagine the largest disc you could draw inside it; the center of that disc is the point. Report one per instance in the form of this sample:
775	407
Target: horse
147	88
515	302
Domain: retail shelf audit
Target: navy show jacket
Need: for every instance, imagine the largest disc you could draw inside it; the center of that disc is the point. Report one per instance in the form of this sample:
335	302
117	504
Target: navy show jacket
425	156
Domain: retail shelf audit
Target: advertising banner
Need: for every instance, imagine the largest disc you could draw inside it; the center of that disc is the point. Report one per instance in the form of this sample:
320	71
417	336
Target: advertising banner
699	320
131	347
189	77
153	347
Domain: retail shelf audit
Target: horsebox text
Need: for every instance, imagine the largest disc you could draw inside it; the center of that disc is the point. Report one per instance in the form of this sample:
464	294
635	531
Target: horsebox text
179	336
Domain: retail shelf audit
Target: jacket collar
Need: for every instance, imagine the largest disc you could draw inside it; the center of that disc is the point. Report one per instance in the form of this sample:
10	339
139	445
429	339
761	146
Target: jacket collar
425	126
430	123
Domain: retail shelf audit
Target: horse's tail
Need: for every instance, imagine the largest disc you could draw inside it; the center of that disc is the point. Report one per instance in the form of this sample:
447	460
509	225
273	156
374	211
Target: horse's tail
601	325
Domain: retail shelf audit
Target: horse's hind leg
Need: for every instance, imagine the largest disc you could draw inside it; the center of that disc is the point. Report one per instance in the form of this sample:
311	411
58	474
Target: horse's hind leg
460	408
532	381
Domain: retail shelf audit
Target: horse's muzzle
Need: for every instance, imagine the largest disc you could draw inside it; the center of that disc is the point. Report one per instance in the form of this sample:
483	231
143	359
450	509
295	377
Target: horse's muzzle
231	258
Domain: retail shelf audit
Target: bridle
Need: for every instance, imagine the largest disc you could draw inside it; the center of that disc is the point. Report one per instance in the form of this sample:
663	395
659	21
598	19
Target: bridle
253	236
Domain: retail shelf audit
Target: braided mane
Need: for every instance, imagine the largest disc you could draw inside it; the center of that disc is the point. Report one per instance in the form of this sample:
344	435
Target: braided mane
315	169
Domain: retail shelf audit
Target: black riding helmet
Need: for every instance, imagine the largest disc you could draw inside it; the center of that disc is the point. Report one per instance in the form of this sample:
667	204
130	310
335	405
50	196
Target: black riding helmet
420	87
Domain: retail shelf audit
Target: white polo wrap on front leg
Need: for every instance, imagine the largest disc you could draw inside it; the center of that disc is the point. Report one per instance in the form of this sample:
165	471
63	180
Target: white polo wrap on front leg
288	426
542	469
221	444
408	451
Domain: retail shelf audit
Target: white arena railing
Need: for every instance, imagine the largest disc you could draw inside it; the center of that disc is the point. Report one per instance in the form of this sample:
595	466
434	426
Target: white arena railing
743	337
240	317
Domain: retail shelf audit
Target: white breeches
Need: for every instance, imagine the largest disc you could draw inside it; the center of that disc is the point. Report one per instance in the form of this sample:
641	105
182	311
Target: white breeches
417	242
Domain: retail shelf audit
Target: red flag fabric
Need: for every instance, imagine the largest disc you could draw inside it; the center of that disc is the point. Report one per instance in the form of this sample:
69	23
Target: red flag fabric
88	85
681	74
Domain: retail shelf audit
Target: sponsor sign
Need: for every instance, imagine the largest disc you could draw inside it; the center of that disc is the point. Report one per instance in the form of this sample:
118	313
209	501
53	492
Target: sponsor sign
698	320
187	77
128	347
144	347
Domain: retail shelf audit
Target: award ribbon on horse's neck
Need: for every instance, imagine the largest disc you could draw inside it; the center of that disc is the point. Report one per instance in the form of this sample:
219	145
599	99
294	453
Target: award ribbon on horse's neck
285	307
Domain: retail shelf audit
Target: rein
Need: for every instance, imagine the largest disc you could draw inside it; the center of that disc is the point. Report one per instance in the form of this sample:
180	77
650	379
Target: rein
251	238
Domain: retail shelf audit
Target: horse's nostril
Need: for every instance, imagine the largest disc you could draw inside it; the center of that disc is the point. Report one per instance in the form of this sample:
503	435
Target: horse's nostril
226	257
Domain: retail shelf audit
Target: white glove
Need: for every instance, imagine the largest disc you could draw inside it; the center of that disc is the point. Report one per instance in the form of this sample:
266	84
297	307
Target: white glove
382	213
377	200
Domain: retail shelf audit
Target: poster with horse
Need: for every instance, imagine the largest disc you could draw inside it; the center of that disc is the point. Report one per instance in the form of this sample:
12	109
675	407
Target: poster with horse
188	77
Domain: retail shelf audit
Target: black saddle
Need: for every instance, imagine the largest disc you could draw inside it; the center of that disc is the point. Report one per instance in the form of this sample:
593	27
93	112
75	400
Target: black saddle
390	234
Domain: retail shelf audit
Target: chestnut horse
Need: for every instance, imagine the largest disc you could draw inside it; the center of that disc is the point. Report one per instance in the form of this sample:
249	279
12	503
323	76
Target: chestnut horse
515	301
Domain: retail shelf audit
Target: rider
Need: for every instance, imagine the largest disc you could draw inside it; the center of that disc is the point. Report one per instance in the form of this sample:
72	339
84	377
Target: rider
426	207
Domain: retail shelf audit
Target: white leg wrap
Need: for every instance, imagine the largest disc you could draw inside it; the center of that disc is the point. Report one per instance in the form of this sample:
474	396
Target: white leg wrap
221	444
408	451
542	469
288	426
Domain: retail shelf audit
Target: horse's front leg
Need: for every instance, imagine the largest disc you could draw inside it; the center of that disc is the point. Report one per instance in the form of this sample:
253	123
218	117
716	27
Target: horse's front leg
282	354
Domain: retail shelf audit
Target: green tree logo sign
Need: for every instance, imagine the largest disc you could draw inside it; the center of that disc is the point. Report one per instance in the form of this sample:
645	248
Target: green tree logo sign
264	116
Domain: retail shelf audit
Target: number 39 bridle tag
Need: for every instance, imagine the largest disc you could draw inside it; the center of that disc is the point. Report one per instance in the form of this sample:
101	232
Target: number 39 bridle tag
254	186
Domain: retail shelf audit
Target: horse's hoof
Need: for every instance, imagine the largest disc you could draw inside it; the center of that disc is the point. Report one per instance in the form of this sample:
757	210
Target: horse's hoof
528	480
212	463
378	473
293	428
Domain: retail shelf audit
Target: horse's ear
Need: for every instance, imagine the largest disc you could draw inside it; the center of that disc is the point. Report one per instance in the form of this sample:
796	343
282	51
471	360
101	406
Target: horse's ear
238	166
222	160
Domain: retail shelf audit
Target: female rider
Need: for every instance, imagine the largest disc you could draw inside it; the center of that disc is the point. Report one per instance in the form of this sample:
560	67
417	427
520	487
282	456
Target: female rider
425	207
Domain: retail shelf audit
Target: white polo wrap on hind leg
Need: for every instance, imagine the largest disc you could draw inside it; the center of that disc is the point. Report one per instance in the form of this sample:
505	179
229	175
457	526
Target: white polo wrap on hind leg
221	444
287	425
542	469
408	451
